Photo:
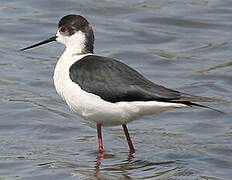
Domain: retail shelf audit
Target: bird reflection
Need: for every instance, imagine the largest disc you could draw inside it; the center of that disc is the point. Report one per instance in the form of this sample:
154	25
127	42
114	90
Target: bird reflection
129	164
99	158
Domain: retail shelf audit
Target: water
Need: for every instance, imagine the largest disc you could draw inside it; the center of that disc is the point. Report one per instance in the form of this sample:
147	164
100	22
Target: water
184	45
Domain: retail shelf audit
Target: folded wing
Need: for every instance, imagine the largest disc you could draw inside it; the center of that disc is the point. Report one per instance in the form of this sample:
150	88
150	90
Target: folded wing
114	81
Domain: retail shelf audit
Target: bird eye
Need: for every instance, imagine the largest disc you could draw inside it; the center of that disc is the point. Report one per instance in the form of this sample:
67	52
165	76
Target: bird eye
63	29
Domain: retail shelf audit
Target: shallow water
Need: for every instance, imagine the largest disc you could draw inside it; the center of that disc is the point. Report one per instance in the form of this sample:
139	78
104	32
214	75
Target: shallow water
184	45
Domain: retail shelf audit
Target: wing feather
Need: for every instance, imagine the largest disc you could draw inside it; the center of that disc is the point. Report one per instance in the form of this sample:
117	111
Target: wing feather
114	81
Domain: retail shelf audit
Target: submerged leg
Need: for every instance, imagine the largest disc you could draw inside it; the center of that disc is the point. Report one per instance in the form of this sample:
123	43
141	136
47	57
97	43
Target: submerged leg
99	135
132	149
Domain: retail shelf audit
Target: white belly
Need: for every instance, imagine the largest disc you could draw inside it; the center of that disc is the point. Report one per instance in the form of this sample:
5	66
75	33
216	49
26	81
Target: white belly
91	107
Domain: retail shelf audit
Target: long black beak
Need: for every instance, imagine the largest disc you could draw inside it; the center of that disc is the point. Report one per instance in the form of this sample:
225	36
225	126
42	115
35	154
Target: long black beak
40	43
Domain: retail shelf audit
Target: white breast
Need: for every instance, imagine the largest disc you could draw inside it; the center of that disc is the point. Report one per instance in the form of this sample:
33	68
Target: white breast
91	107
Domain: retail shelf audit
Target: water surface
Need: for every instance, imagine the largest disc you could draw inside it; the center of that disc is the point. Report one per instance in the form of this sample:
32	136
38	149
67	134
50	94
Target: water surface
184	45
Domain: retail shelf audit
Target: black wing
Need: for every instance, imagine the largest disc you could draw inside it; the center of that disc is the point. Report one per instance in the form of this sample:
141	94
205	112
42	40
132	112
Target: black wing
114	81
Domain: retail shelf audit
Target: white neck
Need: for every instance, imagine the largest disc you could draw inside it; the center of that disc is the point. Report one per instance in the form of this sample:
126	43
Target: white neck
61	73
74	44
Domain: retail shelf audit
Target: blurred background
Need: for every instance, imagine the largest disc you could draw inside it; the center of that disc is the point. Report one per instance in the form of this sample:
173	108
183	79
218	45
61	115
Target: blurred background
181	44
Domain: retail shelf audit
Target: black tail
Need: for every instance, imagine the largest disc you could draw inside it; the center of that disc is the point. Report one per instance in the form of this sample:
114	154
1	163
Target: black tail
190	100
193	98
199	105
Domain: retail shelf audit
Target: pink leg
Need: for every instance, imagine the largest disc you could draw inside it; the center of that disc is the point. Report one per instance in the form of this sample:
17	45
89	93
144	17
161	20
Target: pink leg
99	135
132	149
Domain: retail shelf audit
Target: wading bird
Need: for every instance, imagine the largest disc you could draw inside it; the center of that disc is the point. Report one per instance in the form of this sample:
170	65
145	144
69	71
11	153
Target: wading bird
103	90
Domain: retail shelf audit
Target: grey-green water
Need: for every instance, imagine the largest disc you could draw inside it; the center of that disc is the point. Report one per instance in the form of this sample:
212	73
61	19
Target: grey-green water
184	45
